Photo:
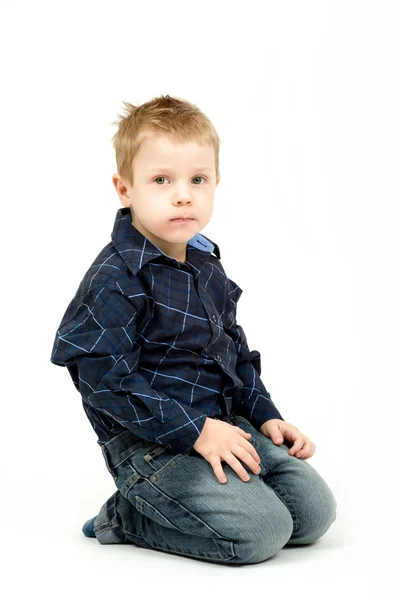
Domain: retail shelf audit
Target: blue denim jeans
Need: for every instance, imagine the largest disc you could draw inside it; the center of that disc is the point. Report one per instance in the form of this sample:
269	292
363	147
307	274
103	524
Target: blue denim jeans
173	502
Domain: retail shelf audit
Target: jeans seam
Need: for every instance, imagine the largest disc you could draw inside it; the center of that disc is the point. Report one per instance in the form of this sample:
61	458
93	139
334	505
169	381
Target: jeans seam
101	529
131	534
214	533
284	498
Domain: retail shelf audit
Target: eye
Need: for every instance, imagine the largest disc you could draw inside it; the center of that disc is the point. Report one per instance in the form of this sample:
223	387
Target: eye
163	177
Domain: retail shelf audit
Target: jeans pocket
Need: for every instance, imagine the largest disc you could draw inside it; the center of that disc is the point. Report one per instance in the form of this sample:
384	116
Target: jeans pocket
148	510
163	458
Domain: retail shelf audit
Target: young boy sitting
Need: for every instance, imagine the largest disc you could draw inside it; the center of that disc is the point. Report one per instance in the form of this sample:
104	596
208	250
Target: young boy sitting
166	376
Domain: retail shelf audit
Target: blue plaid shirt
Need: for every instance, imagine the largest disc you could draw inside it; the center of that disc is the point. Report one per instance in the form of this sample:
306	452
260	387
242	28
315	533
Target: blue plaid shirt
153	346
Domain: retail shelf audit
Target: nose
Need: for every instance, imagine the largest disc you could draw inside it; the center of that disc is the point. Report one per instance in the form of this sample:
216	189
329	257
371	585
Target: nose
183	199
183	194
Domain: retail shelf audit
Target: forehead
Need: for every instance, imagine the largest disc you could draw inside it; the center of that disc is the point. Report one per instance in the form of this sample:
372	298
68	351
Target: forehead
165	151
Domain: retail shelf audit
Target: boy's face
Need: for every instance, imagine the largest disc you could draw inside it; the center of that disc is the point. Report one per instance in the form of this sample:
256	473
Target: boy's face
171	179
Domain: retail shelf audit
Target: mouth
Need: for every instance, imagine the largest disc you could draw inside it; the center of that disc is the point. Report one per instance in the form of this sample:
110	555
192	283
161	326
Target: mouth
181	220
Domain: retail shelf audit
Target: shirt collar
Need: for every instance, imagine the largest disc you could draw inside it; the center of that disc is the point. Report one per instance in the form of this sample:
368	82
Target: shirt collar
137	250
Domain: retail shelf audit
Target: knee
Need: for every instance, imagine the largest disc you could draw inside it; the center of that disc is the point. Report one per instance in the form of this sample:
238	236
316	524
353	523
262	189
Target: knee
315	520
264	534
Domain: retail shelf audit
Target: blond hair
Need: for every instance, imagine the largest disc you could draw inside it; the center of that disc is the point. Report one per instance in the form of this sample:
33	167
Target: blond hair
165	115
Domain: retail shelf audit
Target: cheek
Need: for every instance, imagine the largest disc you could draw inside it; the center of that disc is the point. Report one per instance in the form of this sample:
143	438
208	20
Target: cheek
207	211
157	217
151	212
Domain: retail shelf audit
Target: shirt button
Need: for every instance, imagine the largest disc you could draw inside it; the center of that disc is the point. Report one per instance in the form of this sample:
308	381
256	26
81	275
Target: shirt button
214	318
219	359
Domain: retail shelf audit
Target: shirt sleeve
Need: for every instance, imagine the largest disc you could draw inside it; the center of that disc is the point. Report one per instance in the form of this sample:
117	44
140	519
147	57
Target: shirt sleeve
96	342
255	403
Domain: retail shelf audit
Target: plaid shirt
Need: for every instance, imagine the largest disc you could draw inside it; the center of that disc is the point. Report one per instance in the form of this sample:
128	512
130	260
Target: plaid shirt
153	346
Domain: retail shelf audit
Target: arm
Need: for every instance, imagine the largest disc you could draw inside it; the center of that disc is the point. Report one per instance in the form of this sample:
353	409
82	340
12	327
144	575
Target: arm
255	403
97	345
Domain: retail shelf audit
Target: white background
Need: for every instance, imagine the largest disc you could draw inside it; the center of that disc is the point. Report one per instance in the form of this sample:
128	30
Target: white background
305	98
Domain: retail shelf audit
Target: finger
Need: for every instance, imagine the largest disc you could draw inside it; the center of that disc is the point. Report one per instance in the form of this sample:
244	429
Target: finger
237	465
294	449
307	451
247	457
304	450
296	446
243	433
251	450
218	470
276	435
301	454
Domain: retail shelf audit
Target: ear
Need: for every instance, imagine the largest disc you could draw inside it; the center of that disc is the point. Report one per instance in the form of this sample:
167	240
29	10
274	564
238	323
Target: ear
217	182
121	189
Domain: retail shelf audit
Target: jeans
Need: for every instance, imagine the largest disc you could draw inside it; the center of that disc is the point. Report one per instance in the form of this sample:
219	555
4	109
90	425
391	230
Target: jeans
173	502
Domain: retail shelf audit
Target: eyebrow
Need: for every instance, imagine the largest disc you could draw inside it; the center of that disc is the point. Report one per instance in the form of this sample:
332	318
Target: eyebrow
172	170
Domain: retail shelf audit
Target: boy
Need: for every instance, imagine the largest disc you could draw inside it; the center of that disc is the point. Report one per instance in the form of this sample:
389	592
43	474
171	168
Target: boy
167	380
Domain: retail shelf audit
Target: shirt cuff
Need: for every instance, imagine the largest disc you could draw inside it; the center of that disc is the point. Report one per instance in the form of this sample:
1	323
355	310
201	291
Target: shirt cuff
182	428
